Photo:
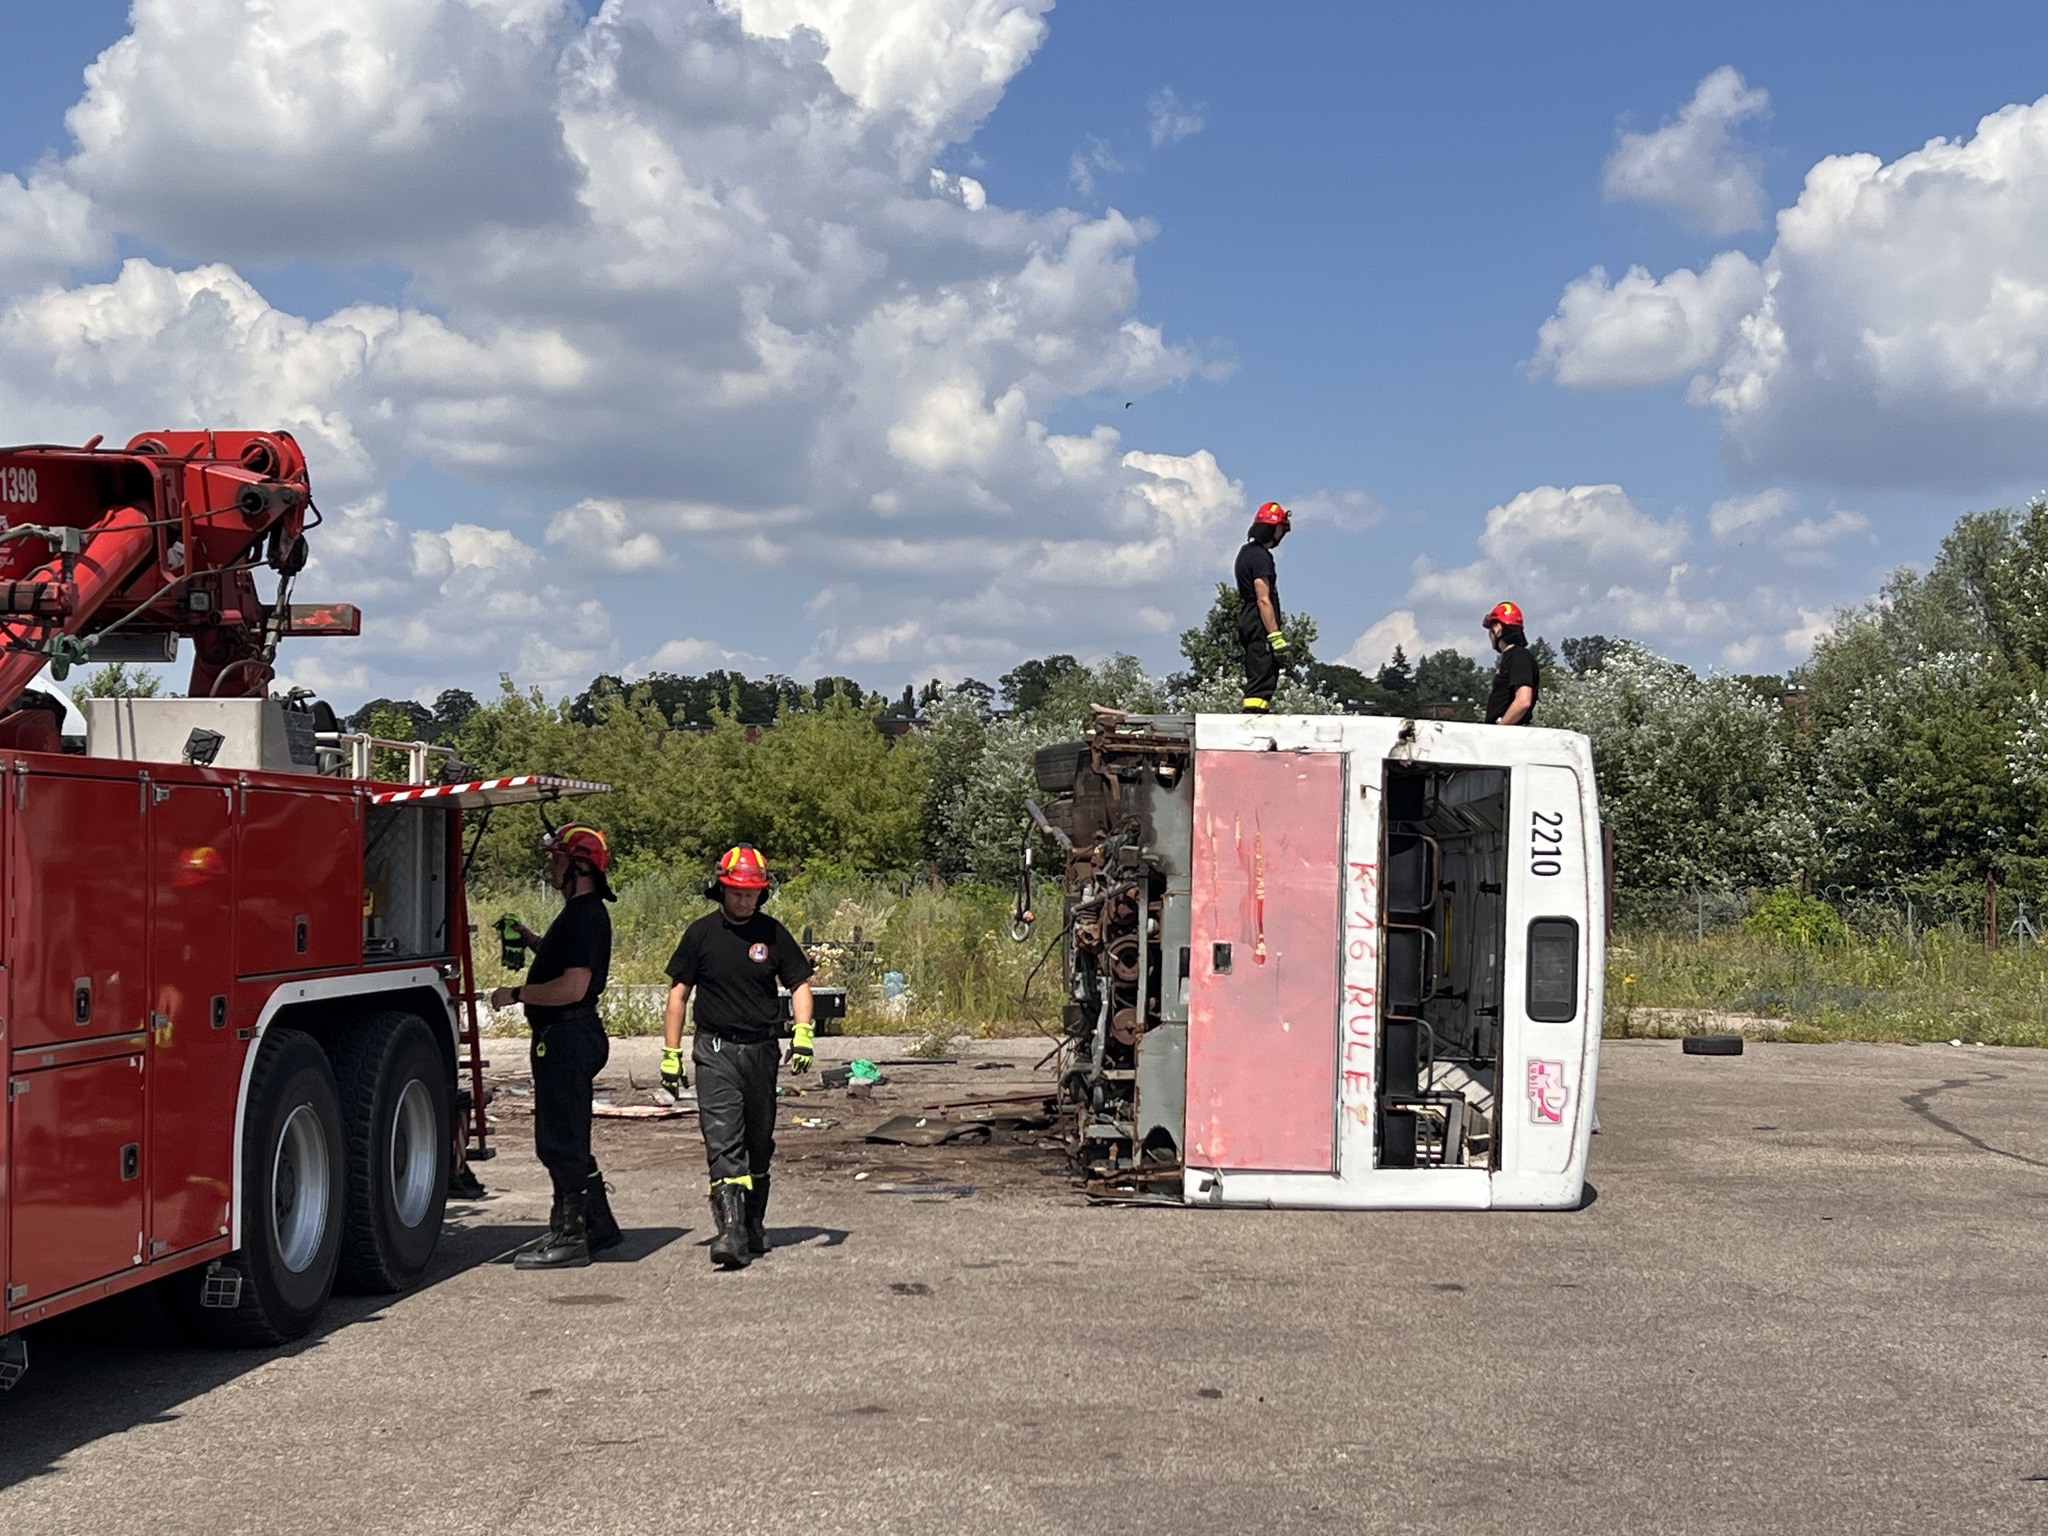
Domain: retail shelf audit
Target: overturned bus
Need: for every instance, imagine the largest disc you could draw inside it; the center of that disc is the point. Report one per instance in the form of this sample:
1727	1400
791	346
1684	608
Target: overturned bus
1328	961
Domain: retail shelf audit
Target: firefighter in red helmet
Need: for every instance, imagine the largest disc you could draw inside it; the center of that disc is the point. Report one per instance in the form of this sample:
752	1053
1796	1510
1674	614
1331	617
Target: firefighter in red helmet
1258	611
1516	682
571	963
733	960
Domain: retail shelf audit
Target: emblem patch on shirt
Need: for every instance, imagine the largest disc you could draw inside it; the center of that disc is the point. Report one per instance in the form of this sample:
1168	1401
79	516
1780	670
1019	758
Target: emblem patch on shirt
758	953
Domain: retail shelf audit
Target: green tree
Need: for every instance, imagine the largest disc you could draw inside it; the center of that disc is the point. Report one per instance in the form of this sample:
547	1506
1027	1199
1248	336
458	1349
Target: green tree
116	680
1451	678
1026	684
1214	651
1396	676
1694	780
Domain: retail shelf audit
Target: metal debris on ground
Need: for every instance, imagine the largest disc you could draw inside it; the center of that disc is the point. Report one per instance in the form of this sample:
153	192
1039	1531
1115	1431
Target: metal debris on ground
925	1131
610	1111
993	1066
957	1191
1135	1186
813	1122
1039	1096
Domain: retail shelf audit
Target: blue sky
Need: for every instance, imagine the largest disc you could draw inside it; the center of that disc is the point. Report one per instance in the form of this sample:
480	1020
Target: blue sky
849	416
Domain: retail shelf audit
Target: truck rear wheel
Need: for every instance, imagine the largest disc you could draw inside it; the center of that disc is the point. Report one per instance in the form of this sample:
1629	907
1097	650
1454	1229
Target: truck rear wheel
394	1098
292	1198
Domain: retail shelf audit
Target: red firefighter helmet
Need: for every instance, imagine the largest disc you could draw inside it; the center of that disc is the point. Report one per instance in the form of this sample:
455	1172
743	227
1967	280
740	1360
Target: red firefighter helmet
580	840
743	869
1275	514
1503	613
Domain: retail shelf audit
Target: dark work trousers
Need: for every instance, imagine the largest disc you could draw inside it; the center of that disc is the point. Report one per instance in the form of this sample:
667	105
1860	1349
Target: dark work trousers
567	1055
1261	667
736	1103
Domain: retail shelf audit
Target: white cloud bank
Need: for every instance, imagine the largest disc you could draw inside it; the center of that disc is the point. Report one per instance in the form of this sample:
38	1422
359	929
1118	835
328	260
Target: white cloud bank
1895	334
686	291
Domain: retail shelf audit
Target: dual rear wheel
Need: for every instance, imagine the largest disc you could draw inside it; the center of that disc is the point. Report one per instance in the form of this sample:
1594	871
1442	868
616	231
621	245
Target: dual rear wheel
345	1165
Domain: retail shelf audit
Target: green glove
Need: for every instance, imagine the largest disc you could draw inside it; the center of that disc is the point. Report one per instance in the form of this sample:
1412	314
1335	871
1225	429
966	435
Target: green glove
673	1078
1276	640
511	943
801	1040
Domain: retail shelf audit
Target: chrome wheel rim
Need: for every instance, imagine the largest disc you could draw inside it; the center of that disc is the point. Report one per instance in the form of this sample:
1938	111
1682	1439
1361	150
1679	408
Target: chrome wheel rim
301	1180
415	1154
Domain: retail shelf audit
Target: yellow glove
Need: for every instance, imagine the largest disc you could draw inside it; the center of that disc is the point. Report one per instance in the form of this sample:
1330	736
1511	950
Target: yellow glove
673	1078
1276	640
801	1040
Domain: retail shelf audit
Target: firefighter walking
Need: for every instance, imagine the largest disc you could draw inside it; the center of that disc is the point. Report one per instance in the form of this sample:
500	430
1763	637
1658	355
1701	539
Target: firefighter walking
732	959
571	963
1258	612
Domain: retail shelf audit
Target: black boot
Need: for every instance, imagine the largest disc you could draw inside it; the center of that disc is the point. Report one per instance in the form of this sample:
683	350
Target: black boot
567	1245
729	1207
757	1214
601	1226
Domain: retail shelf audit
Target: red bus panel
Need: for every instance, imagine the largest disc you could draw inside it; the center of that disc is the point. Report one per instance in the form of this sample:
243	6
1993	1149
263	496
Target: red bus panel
1262	1022
80	902
76	1207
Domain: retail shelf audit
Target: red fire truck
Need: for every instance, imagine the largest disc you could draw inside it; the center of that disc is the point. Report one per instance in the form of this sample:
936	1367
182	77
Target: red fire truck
237	1017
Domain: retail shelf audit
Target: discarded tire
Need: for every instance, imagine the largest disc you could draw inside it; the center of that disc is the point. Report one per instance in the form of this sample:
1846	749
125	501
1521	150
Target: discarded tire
1056	767
293	1190
394	1101
1712	1045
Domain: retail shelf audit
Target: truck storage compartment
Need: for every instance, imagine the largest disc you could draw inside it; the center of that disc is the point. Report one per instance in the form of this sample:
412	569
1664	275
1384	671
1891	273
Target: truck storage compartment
75	1201
1443	911
80	902
301	882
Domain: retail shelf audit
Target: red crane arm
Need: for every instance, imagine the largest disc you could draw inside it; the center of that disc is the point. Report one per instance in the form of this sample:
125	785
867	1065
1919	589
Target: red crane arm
162	538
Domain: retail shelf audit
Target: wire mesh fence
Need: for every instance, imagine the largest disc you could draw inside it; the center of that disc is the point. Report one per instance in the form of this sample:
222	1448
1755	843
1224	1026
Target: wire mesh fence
1901	913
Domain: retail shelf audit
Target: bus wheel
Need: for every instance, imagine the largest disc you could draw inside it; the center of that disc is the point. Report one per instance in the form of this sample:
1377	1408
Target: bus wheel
395	1102
291	1204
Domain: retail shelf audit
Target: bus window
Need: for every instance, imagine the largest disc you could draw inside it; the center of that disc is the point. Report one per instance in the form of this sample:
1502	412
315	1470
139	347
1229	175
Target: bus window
1553	970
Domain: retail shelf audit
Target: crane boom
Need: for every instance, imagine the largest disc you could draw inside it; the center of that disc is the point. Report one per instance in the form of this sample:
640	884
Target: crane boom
160	539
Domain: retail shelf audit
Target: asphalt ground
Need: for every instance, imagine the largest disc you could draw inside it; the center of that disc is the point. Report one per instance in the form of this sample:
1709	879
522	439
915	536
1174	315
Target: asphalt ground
1808	1297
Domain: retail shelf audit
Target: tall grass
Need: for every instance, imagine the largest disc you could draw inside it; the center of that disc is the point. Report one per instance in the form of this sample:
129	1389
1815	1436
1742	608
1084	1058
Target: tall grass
955	968
1940	985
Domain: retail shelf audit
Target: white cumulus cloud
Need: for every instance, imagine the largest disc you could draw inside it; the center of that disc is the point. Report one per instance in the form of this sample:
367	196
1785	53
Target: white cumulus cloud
1895	334
1692	166
1644	330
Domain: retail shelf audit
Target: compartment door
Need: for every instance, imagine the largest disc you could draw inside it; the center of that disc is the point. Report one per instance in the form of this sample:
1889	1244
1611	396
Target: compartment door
76	1209
195	1060
1263	1010
78	910
301	891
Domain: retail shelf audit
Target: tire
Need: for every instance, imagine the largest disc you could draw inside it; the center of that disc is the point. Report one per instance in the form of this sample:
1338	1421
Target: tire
293	1188
1056	767
395	1105
1712	1045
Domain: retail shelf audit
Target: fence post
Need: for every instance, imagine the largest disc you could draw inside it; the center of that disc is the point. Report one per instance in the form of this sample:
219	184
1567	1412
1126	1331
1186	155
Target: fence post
1909	922
1701	898
1990	911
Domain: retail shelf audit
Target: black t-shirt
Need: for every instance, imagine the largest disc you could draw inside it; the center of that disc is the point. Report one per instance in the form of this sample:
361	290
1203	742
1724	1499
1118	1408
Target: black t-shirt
1255	562
734	969
1517	670
581	934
